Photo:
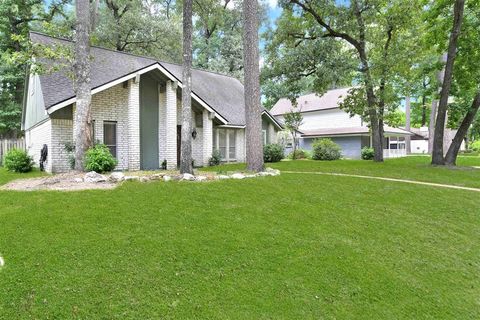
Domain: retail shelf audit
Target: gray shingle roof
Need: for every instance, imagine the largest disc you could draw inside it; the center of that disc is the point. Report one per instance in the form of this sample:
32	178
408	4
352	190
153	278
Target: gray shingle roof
223	93
311	102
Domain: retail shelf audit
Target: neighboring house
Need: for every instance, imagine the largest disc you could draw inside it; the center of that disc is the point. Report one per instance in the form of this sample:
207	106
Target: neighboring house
419	141
136	111
322	118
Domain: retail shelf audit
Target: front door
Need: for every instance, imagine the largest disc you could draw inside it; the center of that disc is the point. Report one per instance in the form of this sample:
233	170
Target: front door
148	123
179	144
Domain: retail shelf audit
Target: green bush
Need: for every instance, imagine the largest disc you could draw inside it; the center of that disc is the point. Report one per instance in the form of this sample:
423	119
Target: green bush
367	153
326	149
299	154
475	146
272	152
99	159
215	159
17	160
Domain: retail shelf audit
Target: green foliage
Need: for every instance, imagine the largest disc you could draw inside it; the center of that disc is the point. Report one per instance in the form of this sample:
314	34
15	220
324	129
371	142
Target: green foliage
475	146
215	159
325	149
367	153
299	154
17	160
272	152
99	159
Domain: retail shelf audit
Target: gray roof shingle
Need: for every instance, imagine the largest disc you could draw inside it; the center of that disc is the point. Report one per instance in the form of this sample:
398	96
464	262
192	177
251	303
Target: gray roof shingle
223	93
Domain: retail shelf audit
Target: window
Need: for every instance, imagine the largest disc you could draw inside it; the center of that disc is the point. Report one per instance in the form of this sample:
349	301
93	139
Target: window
198	120
222	143
110	136
231	144
224	140
264	135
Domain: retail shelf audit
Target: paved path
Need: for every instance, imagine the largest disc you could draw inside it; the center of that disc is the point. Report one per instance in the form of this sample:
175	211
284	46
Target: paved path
431	184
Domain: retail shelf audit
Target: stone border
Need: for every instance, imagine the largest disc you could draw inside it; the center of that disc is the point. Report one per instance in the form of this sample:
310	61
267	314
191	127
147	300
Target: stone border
77	181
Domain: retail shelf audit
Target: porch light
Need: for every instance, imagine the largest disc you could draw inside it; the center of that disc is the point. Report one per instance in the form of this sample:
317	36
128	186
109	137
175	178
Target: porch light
194	133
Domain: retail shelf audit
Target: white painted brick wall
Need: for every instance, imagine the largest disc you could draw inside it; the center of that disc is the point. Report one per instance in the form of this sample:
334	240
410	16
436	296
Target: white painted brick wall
134	125
171	125
35	138
162	129
207	137
112	105
240	145
62	133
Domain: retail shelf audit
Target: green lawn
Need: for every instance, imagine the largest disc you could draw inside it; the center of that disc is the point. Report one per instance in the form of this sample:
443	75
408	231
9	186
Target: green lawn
6	176
412	168
285	247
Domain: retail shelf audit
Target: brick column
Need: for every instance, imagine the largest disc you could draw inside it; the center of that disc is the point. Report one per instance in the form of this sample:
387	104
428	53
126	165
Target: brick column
171	125
272	136
134	125
207	136
162	127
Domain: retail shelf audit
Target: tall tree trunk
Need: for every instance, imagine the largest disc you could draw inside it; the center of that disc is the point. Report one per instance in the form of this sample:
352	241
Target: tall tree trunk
186	152
437	152
83	137
408	143
452	153
253	114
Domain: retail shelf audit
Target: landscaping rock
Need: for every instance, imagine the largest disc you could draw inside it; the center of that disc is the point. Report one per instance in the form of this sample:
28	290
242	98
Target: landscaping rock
157	176
167	178
93	177
78	180
273	172
222	177
238	176
188	177
144	178
130	178
51	181
264	174
201	178
250	176
116	177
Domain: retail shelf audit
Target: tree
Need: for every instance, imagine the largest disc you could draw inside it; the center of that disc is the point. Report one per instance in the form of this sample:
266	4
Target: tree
140	27
186	151
293	120
82	66
437	152
371	33
253	114
16	19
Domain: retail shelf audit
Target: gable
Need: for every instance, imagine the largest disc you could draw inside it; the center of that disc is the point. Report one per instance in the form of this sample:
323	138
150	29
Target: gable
217	93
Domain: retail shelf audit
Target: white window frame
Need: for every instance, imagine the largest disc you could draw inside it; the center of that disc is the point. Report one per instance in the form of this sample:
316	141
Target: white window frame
227	157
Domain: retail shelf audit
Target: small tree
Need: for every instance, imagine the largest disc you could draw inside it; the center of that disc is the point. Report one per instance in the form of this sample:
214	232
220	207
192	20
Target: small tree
293	121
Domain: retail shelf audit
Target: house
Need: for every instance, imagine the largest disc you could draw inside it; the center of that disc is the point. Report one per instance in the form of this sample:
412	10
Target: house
323	118
419	141
136	111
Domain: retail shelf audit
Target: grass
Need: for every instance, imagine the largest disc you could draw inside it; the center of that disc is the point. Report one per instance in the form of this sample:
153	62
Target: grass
6	176
286	247
412	168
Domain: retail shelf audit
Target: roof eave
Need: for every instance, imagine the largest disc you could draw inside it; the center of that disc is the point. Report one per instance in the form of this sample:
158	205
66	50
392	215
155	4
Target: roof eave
154	66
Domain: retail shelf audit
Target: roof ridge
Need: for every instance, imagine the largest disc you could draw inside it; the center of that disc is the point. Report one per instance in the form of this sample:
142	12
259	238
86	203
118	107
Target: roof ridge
133	54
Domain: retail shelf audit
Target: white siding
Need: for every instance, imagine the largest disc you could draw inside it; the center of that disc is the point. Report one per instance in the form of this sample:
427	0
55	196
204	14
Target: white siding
332	118
35	138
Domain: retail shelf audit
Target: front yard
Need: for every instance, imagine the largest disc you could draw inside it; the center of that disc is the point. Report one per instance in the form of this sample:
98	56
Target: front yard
287	247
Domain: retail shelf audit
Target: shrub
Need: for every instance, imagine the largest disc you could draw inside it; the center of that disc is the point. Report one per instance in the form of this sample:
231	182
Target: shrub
475	146
272	152
326	149
299	154
99	159
367	153
215	159
17	160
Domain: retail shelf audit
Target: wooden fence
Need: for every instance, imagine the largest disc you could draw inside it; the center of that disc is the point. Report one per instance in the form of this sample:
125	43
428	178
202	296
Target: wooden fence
8	144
